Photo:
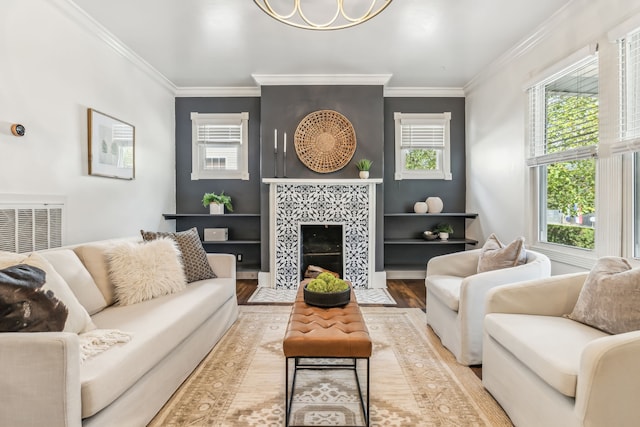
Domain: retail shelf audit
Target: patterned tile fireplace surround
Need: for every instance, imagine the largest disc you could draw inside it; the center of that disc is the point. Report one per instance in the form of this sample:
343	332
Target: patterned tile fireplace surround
347	202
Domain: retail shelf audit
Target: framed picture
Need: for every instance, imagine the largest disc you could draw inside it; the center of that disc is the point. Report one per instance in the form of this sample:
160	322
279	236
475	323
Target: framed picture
111	146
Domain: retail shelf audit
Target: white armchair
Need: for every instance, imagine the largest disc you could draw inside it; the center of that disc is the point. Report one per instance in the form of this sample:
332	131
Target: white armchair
547	370
456	293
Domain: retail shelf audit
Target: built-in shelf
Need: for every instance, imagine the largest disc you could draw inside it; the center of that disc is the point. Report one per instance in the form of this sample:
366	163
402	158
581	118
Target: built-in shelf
233	242
430	242
227	215
432	215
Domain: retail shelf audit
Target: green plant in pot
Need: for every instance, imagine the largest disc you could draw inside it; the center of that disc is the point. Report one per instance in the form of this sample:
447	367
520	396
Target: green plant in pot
444	230
364	165
326	290
217	202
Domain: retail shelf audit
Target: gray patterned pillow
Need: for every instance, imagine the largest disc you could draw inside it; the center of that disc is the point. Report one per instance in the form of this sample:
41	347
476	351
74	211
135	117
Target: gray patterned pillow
610	297
194	257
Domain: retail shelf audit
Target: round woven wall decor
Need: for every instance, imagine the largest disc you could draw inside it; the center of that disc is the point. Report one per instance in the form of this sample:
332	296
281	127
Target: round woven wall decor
325	141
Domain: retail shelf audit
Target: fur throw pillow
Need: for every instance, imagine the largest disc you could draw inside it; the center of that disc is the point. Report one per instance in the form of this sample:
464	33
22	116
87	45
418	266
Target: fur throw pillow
142	271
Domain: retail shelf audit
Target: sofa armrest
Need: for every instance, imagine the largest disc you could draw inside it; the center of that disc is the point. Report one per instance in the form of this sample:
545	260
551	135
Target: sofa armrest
460	264
224	265
609	381
550	296
40	379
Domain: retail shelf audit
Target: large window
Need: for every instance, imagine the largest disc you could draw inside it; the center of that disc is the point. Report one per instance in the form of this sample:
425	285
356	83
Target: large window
220	146
563	145
422	146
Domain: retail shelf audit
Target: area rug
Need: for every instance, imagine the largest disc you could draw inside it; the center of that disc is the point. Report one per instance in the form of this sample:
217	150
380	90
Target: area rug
414	380
373	296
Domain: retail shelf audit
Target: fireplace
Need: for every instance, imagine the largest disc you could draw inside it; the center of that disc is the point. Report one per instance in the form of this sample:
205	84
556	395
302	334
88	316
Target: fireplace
321	247
348	203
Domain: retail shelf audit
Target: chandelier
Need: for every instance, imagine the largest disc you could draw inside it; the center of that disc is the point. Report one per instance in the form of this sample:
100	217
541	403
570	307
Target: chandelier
322	15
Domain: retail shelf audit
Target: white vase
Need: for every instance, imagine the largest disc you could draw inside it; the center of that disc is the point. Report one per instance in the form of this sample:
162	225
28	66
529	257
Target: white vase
364	174
420	207
216	208
435	204
443	235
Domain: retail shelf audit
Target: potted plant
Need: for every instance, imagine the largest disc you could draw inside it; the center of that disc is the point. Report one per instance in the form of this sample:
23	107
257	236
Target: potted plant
363	166
217	203
326	290
444	230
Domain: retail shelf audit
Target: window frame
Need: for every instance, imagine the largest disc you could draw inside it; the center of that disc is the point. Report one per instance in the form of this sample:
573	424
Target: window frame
230	119
444	172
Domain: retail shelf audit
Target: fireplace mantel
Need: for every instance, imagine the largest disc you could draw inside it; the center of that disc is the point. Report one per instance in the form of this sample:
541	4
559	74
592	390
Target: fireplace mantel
327	181
296	201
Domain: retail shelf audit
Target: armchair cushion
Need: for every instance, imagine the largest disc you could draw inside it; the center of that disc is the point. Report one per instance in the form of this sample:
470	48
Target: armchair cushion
610	297
447	289
495	255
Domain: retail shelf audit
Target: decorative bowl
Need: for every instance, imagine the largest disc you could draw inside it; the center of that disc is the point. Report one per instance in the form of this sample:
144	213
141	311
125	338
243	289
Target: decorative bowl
327	299
430	235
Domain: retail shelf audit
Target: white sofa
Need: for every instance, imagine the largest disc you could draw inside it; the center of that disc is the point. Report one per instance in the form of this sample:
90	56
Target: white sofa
548	370
44	383
456	293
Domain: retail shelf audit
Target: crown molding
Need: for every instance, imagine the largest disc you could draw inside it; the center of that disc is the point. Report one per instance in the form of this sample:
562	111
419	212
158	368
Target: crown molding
321	79
521	48
220	92
424	92
92	26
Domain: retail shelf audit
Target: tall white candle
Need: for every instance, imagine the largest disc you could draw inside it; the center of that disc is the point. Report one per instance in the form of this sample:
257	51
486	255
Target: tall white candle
275	140
285	143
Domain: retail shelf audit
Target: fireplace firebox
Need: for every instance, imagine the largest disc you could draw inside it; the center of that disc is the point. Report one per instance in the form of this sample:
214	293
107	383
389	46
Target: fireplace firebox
322	246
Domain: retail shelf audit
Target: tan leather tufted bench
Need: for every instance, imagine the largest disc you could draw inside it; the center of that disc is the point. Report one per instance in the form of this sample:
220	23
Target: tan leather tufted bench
315	332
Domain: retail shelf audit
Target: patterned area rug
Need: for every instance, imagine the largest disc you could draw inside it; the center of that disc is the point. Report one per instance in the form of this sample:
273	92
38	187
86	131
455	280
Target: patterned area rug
364	296
414	380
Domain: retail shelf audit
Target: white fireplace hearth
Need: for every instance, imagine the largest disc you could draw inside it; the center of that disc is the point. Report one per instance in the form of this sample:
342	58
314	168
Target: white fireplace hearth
347	202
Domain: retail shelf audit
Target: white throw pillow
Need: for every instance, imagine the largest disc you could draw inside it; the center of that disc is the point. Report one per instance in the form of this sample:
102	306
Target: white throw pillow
141	271
78	319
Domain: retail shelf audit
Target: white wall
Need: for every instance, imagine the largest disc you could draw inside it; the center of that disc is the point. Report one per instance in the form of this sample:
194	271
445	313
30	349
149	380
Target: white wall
53	68
496	116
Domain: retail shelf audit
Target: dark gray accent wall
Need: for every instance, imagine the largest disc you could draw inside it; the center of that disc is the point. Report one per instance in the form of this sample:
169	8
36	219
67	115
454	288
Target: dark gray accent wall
284	107
399	196
245	195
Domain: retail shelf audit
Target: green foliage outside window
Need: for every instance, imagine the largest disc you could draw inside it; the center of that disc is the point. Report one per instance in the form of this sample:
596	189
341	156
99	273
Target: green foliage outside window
572	121
421	159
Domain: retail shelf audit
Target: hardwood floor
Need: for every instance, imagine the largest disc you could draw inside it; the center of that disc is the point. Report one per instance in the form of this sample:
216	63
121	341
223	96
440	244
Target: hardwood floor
409	293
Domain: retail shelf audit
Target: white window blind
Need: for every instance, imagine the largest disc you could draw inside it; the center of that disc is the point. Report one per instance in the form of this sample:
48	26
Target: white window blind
428	133
220	146
571	95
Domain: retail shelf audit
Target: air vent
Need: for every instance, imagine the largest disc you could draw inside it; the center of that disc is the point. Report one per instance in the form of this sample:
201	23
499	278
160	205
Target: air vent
30	227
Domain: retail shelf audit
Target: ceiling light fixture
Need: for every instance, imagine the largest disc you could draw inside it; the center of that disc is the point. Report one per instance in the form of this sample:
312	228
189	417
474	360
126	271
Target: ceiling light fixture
327	15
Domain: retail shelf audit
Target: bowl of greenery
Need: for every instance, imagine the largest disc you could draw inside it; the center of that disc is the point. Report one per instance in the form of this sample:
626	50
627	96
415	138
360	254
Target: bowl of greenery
327	291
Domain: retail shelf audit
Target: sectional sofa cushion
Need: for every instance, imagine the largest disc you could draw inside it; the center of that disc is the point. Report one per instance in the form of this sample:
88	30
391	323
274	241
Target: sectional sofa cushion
93	257
610	297
67	263
194	257
78	319
495	255
141	271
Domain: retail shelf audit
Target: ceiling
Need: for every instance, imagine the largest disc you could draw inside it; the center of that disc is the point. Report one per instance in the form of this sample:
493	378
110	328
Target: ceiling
221	43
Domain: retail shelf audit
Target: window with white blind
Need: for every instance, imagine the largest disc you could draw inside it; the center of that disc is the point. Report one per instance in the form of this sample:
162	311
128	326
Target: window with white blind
563	142
422	146
220	146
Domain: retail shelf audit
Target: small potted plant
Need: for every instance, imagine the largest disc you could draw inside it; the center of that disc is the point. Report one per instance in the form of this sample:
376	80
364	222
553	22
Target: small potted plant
443	230
326	290
217	203
364	165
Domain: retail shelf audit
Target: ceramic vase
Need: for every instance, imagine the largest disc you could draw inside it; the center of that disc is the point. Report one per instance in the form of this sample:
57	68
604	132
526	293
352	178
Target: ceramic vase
434	204
443	236
420	207
216	208
364	174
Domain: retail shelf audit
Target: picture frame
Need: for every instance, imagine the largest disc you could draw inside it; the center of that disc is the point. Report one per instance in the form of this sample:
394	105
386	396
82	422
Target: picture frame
111	146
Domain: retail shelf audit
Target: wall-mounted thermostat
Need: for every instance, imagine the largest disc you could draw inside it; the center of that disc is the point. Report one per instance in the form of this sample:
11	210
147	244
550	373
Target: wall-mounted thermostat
17	130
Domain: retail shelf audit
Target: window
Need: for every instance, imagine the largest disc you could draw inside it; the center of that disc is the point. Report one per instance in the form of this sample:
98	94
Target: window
563	114
220	146
422	146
